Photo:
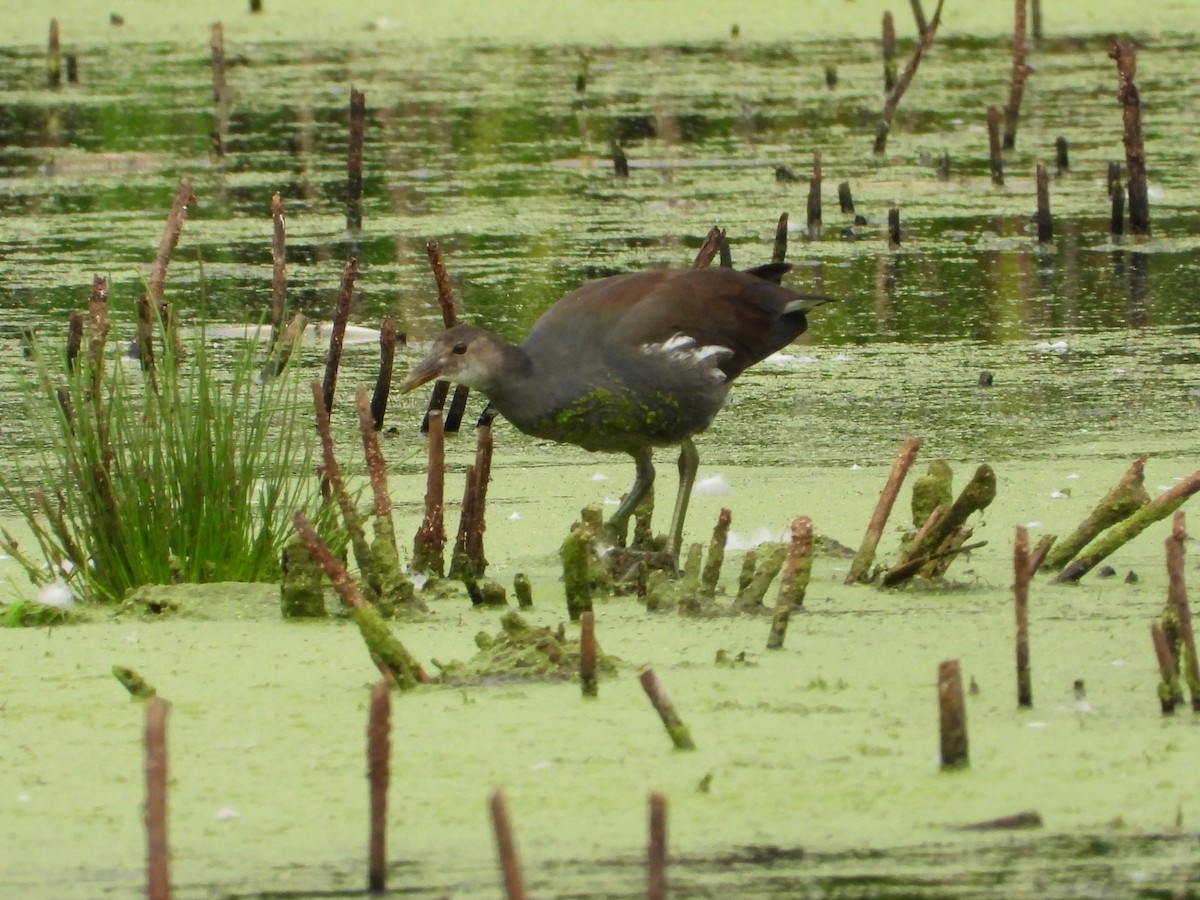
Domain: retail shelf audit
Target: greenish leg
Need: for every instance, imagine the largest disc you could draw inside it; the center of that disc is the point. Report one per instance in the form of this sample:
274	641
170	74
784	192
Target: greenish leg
689	462
618	525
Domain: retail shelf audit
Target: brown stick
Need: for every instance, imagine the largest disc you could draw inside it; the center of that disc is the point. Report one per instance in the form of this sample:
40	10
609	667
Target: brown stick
279	266
1045	225
383	383
354	160
994	152
1125	498
1062	154
483	475
1020	71
656	863
779	252
378	754
341	313
145	337
813	219
894	227
437	397
889	52
442	279
680	736
716	553
952	715
975	496
919	16
429	544
1178	600
458	556
845	198
1039	551
587	654
506	847
893	98
793	583
710	248
216	45
1021	573
1125	55
1158	508
860	567
1168	686
54	57
158	877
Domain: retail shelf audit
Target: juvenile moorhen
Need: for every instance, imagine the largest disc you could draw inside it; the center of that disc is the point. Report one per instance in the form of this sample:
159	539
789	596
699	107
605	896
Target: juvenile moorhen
628	363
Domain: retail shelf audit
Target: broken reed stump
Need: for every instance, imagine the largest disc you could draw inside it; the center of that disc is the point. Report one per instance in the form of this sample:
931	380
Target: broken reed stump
918	12
1021	574
337	334
1127	529
523	591
845	198
506	848
1125	55
767	562
588	684
1116	221
678	732
995	154
860	568
1062	156
831	76
184	197
220	128
725	255
1038	554
933	489
158	876
584	577
278	267
889	52
398	667
716	554
75	330
378	758
813	207
354	160
620	161
429	543
54	57
1045	225
893	98
710	247
1177	601
144	338
1020	72
894	228
467	560
445	293
779	250
952	716
72	68
1125	498
1170	691
383	382
793	583
656	851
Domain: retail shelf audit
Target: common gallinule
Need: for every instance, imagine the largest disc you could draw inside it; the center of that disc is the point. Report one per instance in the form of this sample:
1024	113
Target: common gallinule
628	363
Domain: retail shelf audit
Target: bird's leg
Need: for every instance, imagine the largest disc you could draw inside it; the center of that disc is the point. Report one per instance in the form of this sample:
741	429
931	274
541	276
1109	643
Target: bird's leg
689	462
618	525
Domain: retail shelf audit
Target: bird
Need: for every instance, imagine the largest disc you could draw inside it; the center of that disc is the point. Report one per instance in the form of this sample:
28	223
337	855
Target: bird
628	363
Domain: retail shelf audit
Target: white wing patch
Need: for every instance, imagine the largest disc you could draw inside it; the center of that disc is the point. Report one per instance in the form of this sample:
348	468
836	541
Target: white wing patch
683	350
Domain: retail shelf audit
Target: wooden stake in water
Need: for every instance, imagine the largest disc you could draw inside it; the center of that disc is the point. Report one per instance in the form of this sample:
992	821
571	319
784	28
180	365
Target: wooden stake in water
337	334
953	716
158	878
1125	55
656	856
354	160
1045	226
680	736
378	754
506	847
1021	573
994	151
587	654
860	567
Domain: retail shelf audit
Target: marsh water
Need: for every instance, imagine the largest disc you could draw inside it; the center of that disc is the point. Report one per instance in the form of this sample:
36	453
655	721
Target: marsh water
479	134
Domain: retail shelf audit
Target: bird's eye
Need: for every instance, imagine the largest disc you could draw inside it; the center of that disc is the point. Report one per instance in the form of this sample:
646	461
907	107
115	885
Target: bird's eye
460	348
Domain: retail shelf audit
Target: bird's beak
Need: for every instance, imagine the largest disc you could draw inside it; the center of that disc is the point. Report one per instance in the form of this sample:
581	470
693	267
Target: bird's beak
424	372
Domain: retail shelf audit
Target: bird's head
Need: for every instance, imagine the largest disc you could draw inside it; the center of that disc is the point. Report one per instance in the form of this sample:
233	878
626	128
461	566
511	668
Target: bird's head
463	354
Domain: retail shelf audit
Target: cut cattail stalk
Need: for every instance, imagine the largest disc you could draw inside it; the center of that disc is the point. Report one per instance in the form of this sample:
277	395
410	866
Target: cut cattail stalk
378	753
994	150
437	397
1178	600
279	267
1116	220
1062	156
97	330
523	591
889	52
793	583
1127	497
845	198
354	160
72	69
383	384
1021	573
158	878
919	16
679	734
1020	71
506	848
893	98
894	227
953	716
620	161
429	545
779	253
656	871
725	254
710	248
716	553
1169	690
587	654
337	334
861	566
468	560
145	337
814	200
54	57
74	337
831	77
184	197
1158	508
1038	554
1045	226
1125	55
767	566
